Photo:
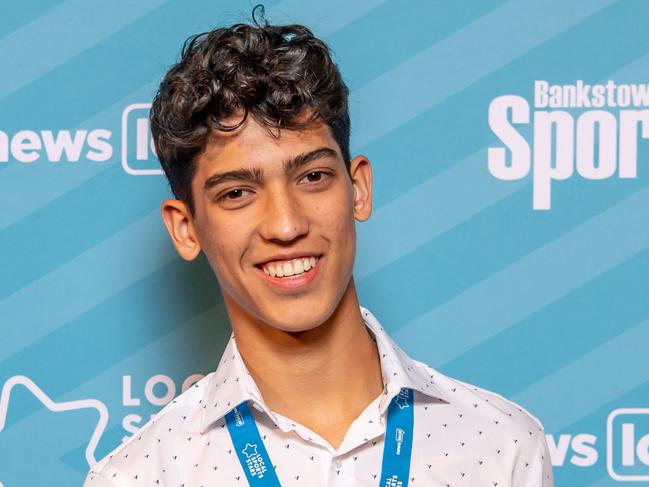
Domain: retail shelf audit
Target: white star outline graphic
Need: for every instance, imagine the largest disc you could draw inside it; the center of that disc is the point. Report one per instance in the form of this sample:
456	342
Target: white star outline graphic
254	450
56	407
402	402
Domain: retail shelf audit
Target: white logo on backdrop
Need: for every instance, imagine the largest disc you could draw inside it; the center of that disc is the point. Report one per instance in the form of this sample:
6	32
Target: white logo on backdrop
138	156
28	146
598	138
135	121
627	445
57	408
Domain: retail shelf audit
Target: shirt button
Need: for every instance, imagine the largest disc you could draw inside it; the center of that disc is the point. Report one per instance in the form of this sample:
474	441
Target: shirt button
338	463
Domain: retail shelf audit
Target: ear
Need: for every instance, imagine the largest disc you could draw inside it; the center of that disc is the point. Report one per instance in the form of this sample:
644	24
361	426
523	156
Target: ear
180	225
360	172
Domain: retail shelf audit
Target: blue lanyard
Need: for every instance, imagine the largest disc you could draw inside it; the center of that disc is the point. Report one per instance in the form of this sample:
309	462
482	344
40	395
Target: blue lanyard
397	448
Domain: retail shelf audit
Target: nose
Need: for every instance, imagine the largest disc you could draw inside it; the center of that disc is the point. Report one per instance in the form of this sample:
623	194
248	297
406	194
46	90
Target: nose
283	219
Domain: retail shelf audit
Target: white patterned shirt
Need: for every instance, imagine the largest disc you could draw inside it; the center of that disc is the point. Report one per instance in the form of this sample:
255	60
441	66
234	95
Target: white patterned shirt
463	435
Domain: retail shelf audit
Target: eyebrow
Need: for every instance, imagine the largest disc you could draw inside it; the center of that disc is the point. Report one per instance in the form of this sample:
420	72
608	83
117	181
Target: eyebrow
256	174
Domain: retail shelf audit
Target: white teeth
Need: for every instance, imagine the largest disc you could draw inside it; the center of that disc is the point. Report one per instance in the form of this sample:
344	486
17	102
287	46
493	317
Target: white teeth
290	268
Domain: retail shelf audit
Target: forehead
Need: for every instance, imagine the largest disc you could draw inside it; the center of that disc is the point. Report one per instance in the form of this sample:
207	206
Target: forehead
254	145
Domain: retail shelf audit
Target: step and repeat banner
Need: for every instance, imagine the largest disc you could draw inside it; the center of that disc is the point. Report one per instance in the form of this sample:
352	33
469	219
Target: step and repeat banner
509	245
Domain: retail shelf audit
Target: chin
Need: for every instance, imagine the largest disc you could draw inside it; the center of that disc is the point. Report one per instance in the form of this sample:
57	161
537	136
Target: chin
298	319
295	323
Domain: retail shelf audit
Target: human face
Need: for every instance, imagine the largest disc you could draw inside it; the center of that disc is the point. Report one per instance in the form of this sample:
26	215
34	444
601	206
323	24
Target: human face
266	206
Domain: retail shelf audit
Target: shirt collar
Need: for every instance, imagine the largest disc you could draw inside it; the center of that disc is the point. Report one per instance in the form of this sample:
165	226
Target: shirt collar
231	383
398	369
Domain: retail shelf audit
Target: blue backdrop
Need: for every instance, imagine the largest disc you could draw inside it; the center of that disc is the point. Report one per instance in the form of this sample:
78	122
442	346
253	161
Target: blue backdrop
509	246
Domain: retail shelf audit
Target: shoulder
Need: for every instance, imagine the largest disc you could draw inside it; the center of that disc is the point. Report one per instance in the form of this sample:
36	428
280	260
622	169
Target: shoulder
480	402
483	404
156	439
519	418
506	430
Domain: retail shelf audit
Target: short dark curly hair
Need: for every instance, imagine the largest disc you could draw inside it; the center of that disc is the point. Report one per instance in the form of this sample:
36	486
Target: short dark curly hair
270	72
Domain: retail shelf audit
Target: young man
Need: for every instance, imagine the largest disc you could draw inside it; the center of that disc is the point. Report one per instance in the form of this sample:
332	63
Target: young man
252	130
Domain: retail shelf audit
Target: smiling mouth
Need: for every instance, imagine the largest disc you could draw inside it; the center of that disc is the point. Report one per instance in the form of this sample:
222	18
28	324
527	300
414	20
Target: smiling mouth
289	268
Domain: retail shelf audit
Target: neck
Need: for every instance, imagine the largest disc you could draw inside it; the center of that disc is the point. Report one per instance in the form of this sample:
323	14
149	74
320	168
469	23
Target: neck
322	378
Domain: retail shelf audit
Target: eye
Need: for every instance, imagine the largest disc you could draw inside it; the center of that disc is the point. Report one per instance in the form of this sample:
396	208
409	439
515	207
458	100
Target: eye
234	198
234	194
314	177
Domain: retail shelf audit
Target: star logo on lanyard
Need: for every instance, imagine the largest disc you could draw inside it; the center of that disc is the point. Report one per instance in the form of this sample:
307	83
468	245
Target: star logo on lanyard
402	401
249	450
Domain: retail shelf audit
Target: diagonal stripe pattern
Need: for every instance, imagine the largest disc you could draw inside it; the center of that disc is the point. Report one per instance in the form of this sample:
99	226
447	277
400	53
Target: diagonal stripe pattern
91	290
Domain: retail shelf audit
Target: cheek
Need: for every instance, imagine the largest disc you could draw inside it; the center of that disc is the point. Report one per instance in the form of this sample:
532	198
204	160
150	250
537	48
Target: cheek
222	245
337	204
336	215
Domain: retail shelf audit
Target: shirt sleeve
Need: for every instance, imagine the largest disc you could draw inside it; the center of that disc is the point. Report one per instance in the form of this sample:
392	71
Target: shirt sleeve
534	469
